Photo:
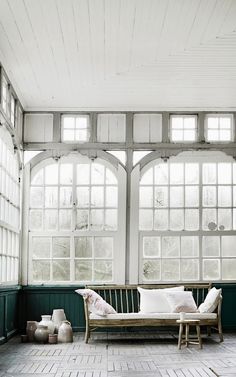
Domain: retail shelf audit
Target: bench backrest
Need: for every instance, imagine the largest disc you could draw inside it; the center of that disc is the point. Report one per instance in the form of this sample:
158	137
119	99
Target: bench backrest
125	298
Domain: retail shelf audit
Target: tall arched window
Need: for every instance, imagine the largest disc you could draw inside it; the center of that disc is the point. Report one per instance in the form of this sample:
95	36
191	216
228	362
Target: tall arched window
75	221
9	210
187	218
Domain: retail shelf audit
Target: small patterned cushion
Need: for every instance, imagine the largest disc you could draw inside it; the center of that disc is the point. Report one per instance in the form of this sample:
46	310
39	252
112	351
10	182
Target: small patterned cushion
96	304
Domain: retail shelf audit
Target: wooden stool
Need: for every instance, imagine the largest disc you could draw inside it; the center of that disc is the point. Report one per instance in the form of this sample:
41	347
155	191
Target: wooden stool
185	339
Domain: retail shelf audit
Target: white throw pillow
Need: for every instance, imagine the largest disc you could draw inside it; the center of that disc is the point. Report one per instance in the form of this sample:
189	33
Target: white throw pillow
181	302
211	301
154	300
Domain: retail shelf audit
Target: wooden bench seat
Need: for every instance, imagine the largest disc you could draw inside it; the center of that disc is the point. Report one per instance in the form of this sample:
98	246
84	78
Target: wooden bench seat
125	300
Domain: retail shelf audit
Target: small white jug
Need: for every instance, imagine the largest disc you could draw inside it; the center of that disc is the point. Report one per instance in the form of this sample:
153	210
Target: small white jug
65	333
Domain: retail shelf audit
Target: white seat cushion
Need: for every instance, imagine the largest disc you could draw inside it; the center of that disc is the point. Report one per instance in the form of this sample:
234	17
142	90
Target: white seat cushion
154	316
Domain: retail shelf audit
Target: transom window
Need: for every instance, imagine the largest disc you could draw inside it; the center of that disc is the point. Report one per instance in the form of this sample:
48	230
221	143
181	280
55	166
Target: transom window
9	210
183	128
187	221
219	127
73	222
12	112
75	128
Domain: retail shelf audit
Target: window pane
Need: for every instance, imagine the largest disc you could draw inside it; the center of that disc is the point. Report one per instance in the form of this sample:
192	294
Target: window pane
170	269
211	269
170	247
82	220
41	247
41	270
147	178
211	246
51	197
65	219
65	196
224	219
224	173
97	197
209	219
191	173
145	219
103	247
51	174
151	270
191	219
177	173
50	219
151	246
228	246
96	219
36	220
161	219
61	270
66	174
83	270
102	270
189	247
83	174
146	197
229	269
61	247
161	174
83	197
111	197
83	247
191	196
110	219
36	197
209	173
176	219
97	174
176	197
190	269
209	196
224	196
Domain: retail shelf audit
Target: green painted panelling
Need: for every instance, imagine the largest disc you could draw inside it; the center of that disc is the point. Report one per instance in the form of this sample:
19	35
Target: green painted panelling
228	305
12	313
2	317
9	312
42	300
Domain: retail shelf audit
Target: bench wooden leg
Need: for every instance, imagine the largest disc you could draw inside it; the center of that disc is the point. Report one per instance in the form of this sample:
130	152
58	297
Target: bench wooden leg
199	336
187	335
181	329
87	334
209	330
220	331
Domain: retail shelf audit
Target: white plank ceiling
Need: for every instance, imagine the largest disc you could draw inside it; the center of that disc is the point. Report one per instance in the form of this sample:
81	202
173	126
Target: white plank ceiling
120	54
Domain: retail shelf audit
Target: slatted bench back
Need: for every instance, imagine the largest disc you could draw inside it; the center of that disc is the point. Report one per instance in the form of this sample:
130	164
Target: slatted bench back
125	298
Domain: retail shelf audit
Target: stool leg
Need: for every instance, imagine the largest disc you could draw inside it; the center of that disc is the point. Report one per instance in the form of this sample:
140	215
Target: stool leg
181	328
187	335
199	336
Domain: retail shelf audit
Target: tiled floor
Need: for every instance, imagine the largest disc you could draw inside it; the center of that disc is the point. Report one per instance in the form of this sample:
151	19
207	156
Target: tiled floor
116	355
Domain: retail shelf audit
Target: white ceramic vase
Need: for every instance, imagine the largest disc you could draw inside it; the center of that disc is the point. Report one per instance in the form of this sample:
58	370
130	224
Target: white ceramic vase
58	316
65	333
46	321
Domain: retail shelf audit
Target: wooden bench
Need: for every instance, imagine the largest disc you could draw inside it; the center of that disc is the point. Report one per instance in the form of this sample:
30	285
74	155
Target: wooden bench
125	299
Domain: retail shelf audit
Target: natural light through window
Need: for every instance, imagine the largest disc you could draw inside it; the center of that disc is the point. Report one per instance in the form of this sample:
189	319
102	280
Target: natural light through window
219	127
75	128
183	128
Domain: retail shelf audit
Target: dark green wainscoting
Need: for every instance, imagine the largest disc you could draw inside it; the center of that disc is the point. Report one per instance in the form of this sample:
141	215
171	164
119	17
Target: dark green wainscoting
38	300
9	312
21	304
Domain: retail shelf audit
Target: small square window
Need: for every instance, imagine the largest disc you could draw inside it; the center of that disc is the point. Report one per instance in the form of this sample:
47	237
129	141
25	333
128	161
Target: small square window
219	128
183	128
75	128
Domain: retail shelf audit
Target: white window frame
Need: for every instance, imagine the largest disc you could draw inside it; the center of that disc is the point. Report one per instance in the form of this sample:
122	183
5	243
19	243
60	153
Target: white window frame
9	211
184	116
212	115
135	270
119	235
75	116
